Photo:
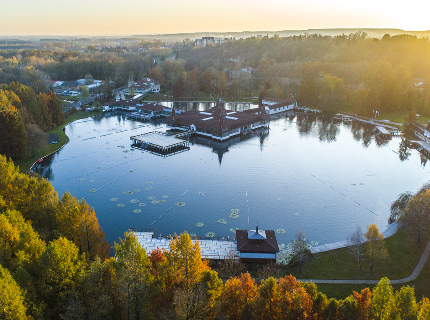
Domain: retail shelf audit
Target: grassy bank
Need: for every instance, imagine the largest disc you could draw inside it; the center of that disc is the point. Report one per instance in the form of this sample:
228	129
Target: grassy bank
26	163
404	253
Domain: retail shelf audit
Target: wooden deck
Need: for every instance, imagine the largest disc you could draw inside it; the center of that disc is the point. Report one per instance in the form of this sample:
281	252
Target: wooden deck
210	248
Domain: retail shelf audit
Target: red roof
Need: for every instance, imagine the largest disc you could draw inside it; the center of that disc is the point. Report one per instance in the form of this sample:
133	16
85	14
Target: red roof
263	241
153	107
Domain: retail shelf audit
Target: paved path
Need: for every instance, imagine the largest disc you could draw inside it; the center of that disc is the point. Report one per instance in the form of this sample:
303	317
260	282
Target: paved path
411	277
391	229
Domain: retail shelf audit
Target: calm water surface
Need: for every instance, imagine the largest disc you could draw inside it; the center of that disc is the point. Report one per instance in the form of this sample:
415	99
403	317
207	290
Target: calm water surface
305	173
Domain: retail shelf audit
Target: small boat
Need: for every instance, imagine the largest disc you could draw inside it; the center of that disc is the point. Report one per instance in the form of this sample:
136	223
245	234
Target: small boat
39	160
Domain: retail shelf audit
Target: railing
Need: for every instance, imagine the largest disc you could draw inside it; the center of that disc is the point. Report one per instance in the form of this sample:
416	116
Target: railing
142	230
169	237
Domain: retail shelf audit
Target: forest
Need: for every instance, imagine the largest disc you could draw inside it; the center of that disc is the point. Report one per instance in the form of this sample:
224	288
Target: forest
345	72
55	264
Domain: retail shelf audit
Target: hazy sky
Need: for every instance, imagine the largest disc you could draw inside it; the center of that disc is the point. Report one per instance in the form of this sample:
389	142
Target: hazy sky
95	17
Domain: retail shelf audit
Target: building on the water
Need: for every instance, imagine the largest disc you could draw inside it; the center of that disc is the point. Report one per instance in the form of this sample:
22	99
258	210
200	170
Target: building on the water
257	245
274	106
217	123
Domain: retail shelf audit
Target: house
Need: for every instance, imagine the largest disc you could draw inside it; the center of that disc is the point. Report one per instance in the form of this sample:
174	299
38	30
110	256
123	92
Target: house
257	245
217	123
248	70
203	42
284	105
143	86
124	105
154	109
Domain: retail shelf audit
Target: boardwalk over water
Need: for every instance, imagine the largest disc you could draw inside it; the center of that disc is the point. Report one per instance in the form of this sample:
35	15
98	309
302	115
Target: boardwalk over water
211	249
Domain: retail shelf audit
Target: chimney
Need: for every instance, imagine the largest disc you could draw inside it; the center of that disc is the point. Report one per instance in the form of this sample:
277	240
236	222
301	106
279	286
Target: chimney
256	230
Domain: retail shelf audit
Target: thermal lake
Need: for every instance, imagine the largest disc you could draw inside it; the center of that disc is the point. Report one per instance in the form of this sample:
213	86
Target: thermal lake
305	173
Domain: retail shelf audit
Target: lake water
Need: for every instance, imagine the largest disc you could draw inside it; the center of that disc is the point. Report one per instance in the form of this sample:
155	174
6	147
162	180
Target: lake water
305	173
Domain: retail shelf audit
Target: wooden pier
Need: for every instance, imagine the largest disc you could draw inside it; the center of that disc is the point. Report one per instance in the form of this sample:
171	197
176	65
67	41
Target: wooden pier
216	248
159	143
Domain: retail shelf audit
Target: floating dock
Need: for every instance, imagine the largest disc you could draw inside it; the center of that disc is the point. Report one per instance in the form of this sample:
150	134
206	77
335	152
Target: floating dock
162	144
211	248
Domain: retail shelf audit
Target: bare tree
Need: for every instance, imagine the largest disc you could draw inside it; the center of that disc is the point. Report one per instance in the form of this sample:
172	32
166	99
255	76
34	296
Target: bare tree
355	244
300	248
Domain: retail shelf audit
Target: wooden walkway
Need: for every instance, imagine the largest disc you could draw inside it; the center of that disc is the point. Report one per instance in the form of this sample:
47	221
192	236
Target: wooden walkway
210	249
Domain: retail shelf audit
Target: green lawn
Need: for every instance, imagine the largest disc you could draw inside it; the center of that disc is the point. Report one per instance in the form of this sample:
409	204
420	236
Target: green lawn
26	163
404	253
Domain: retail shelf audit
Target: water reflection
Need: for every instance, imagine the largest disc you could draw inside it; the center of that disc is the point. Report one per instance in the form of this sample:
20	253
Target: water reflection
203	106
404	152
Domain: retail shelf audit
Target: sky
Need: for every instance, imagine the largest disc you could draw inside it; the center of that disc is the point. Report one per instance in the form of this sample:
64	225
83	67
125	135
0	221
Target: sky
135	17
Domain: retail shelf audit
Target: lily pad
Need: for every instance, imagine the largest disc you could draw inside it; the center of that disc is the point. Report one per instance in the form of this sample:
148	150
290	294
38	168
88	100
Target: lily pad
142	204
151	198
193	235
149	182
93	190
199	224
314	243
134	201
154	201
233	230
161	201
235	211
121	205
113	199
81	179
127	192
201	193
149	188
222	221
210	234
91	180
165	197
280	231
137	210
180	204
136	190
234	215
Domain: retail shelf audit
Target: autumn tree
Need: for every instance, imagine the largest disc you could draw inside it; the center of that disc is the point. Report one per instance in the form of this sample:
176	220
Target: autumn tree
364	303
183	260
416	217
93	295
237	292
37	140
405	303
12	304
383	300
78	222
265	303
59	269
132	275
12	131
156	75
20	245
398	206
178	90
375	244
